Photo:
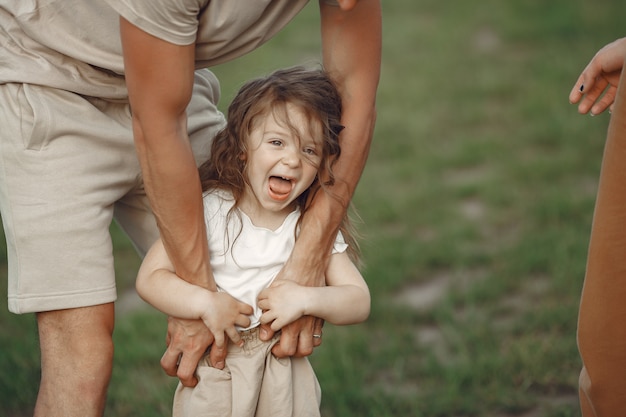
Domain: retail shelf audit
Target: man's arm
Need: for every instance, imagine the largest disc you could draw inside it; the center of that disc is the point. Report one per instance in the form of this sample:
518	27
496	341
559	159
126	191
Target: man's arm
159	77
351	50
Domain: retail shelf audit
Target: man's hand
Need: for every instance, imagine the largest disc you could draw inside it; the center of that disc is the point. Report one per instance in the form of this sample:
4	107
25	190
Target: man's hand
297	339
187	341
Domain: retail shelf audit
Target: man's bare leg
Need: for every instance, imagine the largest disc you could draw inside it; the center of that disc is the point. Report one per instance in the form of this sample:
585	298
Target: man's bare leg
76	361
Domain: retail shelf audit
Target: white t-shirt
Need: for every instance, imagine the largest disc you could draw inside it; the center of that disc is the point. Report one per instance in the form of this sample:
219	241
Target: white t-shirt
245	258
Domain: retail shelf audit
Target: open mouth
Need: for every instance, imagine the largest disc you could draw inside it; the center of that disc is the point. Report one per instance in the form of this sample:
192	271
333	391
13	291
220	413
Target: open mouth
280	188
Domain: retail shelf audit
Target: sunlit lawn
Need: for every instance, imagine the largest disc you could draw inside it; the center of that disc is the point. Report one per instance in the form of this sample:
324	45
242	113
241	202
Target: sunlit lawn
476	205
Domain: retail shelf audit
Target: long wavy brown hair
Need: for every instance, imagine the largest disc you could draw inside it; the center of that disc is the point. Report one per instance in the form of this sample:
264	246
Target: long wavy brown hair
309	90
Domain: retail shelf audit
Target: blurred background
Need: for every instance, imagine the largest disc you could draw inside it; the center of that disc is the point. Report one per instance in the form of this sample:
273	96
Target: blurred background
476	207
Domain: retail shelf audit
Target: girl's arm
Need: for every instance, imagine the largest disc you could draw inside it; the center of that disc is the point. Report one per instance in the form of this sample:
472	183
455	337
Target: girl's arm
345	299
158	284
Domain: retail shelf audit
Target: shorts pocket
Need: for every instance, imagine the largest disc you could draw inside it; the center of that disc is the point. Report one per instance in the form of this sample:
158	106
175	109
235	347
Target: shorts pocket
35	117
212	397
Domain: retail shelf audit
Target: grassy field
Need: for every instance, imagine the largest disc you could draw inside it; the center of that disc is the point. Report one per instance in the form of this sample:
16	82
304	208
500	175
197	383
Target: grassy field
476	203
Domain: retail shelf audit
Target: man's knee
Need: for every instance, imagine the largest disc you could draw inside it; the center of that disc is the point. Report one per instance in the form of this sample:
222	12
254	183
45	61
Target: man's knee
81	336
76	360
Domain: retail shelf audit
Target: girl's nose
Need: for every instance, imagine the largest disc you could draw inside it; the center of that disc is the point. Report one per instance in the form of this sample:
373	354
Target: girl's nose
291	159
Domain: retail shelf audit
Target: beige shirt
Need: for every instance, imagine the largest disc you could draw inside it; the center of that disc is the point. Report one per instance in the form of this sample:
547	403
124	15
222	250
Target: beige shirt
75	44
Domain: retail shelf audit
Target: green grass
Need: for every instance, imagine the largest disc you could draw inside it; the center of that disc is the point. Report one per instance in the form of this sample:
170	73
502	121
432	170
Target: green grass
481	176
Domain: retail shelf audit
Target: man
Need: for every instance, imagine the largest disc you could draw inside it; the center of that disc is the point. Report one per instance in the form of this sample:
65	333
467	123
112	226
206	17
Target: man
71	74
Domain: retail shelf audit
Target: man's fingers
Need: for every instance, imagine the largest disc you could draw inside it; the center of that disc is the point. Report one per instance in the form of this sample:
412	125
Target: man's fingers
317	332
305	338
287	344
266	332
297	338
169	362
187	368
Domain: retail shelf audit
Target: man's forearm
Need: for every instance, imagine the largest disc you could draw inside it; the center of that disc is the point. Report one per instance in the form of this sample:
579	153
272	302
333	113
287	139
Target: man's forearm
159	76
351	44
329	206
315	241
173	187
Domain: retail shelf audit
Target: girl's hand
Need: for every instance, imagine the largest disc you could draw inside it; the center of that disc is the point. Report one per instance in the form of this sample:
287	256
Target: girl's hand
597	84
282	303
222	313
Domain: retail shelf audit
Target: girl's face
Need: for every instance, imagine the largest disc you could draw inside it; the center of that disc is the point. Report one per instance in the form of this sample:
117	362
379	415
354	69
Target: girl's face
282	161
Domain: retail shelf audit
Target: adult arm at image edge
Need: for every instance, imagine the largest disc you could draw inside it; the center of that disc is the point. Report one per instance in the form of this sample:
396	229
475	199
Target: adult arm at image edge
600	336
351	50
160	77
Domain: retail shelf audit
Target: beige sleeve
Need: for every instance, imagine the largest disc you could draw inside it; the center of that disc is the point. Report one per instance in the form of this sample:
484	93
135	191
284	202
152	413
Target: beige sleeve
174	21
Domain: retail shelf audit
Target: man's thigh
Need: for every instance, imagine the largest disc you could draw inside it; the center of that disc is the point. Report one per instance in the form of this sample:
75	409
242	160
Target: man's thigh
64	161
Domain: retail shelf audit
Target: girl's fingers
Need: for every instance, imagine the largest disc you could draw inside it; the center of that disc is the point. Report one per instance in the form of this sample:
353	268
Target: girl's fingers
243	321
234	335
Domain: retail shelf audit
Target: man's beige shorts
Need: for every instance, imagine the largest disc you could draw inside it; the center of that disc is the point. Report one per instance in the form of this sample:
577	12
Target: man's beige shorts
67	167
254	383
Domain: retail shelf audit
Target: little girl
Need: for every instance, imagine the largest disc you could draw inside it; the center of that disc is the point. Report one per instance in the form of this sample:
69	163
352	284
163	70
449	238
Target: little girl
276	151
